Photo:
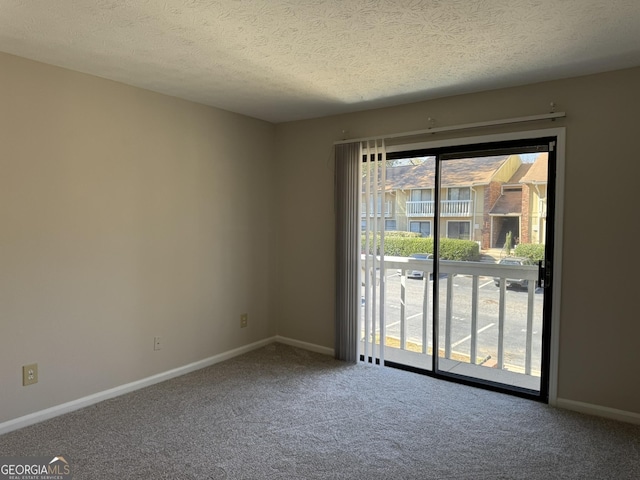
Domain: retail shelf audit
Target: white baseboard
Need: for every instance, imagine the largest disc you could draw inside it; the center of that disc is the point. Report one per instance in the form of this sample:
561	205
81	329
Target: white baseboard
48	413
36	417
305	346
599	411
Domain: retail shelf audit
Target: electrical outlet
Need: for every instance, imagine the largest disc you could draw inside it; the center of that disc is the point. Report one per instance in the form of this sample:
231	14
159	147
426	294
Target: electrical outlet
29	374
244	320
157	343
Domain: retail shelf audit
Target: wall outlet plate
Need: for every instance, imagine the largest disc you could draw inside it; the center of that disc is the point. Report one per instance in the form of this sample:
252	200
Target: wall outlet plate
29	374
157	343
244	320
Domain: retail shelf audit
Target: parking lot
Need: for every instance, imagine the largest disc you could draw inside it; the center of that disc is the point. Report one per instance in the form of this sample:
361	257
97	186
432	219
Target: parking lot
515	323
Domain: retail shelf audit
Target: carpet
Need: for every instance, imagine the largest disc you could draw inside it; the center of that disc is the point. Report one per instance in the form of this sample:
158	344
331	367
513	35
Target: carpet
284	413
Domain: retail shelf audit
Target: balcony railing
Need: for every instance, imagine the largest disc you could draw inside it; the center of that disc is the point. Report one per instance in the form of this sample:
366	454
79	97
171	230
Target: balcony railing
420	209
448	208
387	210
477	275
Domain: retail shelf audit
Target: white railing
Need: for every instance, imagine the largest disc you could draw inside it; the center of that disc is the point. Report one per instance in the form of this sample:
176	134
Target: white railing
387	210
420	209
448	208
476	270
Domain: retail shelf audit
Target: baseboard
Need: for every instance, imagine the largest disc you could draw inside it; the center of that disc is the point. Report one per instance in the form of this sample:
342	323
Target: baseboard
305	346
599	411
57	410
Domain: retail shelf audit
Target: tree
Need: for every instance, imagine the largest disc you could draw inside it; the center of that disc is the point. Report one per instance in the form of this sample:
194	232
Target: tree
508	244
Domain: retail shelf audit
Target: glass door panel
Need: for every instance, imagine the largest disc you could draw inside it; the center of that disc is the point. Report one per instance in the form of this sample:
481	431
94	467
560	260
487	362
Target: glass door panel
469	229
491	305
405	277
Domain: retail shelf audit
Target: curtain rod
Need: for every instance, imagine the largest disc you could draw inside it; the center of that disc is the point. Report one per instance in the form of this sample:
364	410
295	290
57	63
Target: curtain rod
466	126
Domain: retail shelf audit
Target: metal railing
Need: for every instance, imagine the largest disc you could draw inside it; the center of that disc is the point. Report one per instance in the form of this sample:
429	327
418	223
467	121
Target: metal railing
447	271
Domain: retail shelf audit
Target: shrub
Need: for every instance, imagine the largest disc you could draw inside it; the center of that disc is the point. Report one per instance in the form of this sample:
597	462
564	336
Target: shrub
461	250
399	233
401	246
508	242
532	251
405	246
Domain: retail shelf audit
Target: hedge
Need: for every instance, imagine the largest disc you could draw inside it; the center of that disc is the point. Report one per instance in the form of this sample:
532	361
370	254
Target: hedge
400	233
405	246
532	251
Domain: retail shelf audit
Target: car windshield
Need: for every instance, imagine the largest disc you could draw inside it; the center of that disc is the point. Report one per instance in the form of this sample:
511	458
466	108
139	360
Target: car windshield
511	262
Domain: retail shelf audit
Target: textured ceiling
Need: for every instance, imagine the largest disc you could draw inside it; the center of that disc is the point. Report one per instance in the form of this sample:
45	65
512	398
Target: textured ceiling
282	60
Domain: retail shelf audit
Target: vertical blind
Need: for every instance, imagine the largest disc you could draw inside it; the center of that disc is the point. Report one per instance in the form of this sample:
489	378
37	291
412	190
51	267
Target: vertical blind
360	174
347	181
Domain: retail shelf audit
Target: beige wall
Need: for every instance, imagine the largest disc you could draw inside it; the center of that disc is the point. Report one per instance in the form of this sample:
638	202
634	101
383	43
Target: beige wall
599	361
535	220
508	168
124	215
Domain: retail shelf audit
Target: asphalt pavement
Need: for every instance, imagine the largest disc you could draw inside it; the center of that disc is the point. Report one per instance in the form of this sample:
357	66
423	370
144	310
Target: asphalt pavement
515	319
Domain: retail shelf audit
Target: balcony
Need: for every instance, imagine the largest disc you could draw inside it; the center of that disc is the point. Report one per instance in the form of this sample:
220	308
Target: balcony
448	208
485	330
388	209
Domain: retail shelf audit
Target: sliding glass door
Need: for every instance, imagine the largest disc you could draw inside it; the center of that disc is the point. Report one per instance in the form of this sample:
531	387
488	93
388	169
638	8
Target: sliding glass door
459	287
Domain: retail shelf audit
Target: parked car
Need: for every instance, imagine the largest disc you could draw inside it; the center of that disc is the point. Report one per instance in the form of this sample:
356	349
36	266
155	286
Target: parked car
513	282
419	274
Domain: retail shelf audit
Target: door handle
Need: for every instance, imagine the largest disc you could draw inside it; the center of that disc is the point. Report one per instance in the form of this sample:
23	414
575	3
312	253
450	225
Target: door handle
544	274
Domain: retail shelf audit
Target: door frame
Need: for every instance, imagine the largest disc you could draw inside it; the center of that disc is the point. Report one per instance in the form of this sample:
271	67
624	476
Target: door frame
558	216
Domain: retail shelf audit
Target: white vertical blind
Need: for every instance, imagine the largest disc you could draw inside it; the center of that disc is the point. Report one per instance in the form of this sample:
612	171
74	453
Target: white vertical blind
374	180
360	199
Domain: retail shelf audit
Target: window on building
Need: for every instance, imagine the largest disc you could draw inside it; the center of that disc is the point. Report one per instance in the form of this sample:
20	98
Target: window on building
423	228
421	195
459	193
459	230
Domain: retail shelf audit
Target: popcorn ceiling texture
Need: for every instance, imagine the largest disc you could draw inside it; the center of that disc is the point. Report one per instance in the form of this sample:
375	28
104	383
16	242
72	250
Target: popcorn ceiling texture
282	60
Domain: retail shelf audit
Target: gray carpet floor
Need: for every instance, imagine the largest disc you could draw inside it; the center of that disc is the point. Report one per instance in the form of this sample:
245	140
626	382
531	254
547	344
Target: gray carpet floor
285	413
